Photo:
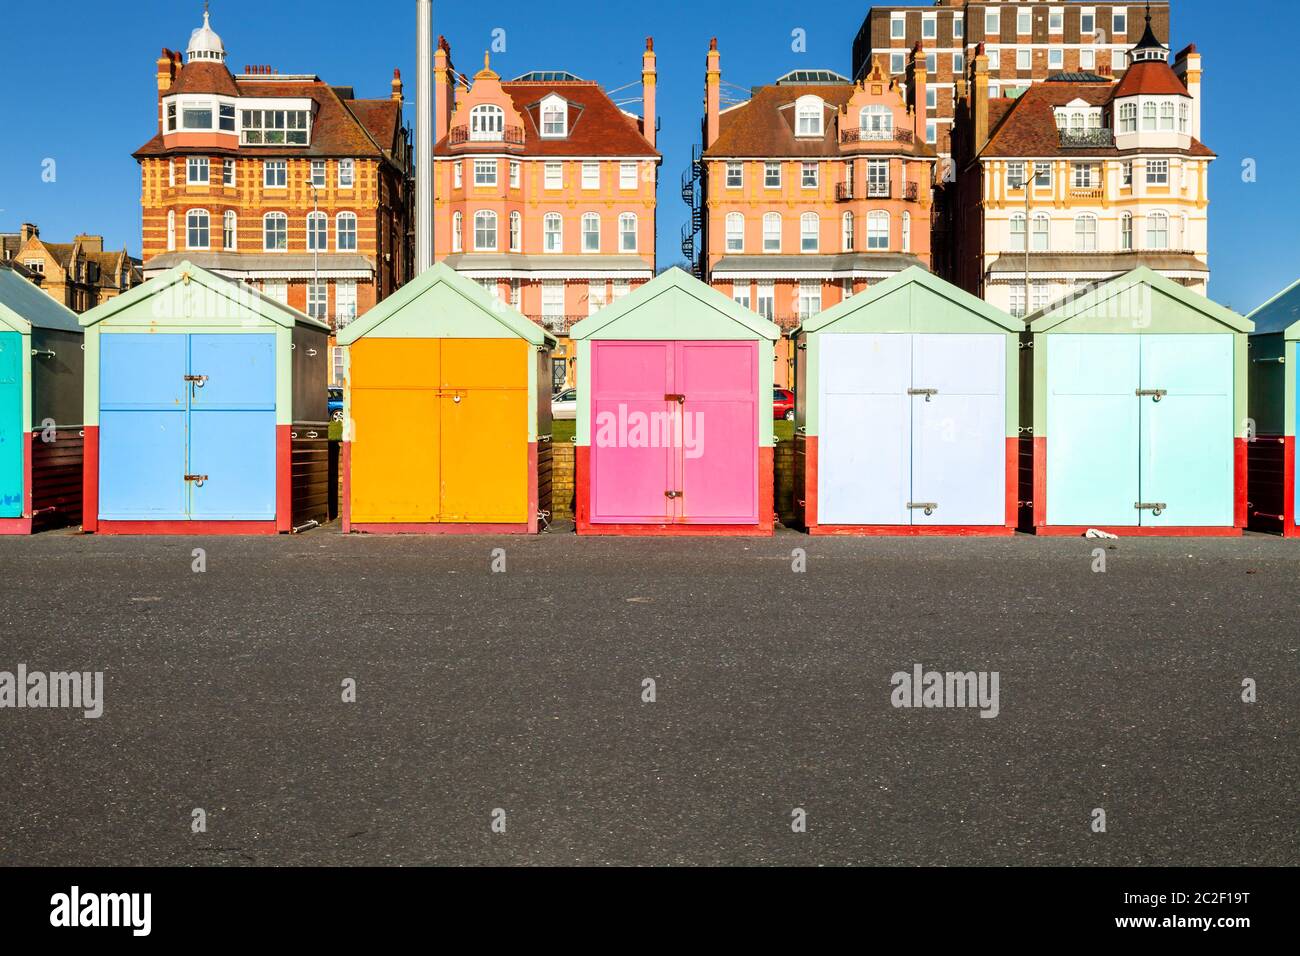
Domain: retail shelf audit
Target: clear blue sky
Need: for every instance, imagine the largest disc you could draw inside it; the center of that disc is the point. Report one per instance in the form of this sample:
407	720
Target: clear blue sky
81	91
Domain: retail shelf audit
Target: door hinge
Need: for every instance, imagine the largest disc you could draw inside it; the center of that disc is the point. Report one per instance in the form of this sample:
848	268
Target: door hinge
929	507
672	494
1155	507
1155	393
679	399
927	392
197	479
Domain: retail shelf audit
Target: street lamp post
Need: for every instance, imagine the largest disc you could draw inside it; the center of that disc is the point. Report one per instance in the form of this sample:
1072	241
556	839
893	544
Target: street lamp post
1025	180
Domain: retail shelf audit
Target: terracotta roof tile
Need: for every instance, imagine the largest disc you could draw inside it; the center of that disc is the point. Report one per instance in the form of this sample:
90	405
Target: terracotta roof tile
382	118
204	77
1151	77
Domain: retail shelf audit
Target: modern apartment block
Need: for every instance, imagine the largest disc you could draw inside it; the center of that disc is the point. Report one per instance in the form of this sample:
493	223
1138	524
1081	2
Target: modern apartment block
1026	41
283	181
545	191
1081	179
813	189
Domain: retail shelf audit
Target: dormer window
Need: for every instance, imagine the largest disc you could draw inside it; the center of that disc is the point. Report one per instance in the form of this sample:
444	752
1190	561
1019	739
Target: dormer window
555	117
875	123
808	116
197	116
274	128
487	122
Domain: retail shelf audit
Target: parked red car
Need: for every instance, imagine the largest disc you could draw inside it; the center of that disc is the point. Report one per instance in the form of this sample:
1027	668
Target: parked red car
783	404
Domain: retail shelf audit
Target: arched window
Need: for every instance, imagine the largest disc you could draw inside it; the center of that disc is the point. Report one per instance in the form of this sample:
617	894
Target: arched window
808	112
1041	238
1178	233
877	230
735	232
1148	117
1158	231
197	235
846	232
1085	234
345	232
809	232
229	230
1018	224
875	123
171	230
485	231
1167	117
456	238
907	232
552	232
772	232
1184	112
627	238
555	116
318	232
590	232
275	232
516	230
1126	231
486	122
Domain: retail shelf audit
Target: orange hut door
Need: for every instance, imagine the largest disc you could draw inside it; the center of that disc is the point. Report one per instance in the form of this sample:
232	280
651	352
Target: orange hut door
396	440
483	406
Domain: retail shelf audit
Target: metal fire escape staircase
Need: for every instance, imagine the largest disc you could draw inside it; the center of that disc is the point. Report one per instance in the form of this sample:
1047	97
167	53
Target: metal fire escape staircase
692	195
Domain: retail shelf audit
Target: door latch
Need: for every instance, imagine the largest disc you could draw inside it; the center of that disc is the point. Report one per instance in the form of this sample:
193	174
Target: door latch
927	392
929	507
672	494
1155	507
679	399
197	479
198	380
1155	393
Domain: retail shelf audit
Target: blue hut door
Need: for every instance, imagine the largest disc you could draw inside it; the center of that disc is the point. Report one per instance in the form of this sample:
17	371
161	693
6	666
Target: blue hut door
12	438
959	429
1092	428
1187	435
232	427
174	407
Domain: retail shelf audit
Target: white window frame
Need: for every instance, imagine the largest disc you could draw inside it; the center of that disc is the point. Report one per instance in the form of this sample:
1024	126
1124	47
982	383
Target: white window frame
587	219
627	175
345	302
516	231
810	233
552	106
809	175
590	174
772	236
487	123
553	229
898	26
1085	239
1152	240
318	300
552	175
282	230
734	228
516	173
992	23
230	230
485	222
319	173
345	224
273	170
1118	21
457	234
194	164
190	228
768	168
929	26
846	232
877	239
624	232
738	180
457	175
347	175
485	173
1024	21
1157	172
809	113
318	232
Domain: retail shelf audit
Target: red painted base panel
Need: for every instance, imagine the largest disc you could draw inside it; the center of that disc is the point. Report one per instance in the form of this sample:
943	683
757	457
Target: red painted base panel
187	527
16	525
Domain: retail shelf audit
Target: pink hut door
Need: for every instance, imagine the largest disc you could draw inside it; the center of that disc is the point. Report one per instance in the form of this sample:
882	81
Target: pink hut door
718	457
631	465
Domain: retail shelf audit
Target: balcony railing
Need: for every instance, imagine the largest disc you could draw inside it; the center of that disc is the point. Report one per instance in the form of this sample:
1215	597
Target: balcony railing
1075	138
860	135
1087	192
460	135
844	192
557	324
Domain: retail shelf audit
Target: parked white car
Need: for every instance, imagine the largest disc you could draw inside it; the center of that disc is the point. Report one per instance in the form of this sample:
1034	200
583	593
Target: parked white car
564	405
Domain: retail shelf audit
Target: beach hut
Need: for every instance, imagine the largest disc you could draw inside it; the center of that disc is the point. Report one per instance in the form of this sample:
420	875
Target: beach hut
906	412
41	377
448	413
205	410
1272	401
674	414
1139	412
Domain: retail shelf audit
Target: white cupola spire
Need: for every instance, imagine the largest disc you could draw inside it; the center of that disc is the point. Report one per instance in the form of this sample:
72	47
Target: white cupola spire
205	44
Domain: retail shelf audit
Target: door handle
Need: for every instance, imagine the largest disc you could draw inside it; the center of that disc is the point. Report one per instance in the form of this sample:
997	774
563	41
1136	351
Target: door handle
927	392
679	399
929	507
1155	393
197	479
672	494
197	380
1155	507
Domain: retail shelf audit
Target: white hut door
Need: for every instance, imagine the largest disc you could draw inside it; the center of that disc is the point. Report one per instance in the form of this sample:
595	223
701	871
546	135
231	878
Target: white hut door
958	399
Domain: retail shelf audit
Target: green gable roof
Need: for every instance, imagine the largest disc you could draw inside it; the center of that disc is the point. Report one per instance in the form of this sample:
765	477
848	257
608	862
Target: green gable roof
473	295
23	306
1280	313
912	275
1097	296
241	294
686	289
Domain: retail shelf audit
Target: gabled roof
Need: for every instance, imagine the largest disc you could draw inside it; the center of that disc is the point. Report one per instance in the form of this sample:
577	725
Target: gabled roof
24	306
910	276
1280	313
1097	295
240	293
474	295
676	279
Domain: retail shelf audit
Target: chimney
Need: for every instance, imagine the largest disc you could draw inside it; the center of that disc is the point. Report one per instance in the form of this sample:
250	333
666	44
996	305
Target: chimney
397	86
1187	67
648	78
916	89
90	243
166	68
444	79
712	93
28	231
980	100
